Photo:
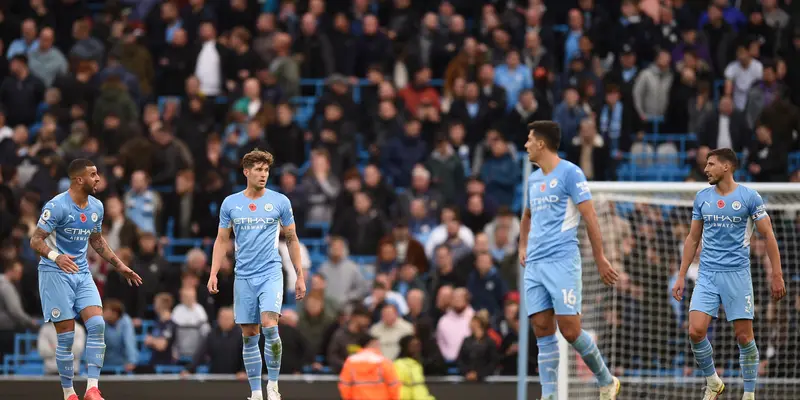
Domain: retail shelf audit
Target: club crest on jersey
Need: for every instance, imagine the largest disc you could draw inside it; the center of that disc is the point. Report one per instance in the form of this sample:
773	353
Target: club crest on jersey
542	188
46	215
720	203
553	183
268	207
83	217
55	313
252	207
736	205
94	217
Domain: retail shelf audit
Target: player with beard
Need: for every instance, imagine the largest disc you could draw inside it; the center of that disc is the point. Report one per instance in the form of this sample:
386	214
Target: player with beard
724	217
70	222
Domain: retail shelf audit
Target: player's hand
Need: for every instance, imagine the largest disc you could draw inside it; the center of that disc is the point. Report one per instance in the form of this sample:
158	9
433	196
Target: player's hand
778	288
523	254
677	290
212	285
64	261
300	288
607	272
132	277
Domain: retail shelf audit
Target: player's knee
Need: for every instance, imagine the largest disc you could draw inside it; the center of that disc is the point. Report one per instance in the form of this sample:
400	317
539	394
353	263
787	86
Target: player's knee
696	334
744	338
250	330
570	334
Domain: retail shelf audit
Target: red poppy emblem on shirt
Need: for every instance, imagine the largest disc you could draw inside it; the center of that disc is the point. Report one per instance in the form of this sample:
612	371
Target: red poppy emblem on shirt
542	187
252	207
83	217
720	203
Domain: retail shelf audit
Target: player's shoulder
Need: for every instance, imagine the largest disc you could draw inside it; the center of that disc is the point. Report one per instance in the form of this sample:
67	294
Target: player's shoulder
57	200
95	202
232	198
568	170
748	191
275	195
704	192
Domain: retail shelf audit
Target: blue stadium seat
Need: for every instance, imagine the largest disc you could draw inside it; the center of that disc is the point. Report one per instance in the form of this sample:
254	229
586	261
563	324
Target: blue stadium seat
168	369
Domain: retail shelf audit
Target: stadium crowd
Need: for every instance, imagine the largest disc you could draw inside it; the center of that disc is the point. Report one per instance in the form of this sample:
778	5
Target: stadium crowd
402	161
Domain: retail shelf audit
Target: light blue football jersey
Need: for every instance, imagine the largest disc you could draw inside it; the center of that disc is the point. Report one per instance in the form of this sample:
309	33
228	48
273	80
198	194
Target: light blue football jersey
69	227
256	225
553	200
728	224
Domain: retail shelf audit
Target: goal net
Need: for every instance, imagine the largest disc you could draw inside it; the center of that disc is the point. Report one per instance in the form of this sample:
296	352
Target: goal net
642	331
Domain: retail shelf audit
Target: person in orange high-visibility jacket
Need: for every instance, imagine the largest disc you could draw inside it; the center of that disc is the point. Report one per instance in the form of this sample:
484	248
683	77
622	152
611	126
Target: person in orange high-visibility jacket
368	375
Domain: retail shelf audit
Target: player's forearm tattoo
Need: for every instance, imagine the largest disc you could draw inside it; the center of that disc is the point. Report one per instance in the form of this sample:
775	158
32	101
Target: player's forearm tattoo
290	235
38	244
99	244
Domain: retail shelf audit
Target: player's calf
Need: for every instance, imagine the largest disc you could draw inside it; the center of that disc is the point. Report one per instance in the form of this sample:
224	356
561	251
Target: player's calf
95	349
65	361
273	350
252	364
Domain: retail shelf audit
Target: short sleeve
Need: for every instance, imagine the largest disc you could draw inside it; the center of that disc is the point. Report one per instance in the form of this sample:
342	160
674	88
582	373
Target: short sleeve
98	222
577	186
730	71
225	214
50	218
697	212
286	212
756	206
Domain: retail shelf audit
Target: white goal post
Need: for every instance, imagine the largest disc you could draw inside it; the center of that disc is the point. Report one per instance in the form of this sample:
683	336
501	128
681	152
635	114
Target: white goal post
641	330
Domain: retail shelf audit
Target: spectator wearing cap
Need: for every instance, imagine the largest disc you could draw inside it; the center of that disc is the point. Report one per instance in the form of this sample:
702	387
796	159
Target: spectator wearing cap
21	92
500	171
47	61
27	42
652	87
447	172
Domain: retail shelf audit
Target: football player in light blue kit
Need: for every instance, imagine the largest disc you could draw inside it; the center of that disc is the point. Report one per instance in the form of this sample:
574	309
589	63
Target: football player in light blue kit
724	217
69	223
258	216
558	195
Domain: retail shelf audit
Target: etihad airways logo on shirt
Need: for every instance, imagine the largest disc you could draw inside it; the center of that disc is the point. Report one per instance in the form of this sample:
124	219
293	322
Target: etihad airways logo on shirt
77	231
721	221
254	222
544	199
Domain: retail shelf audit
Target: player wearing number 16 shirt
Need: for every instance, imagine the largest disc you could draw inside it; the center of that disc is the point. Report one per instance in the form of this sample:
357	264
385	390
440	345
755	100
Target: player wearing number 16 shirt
69	223
257	216
724	217
558	195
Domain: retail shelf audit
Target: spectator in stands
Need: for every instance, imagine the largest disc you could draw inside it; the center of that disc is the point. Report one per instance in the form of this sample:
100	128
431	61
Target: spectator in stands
454	326
475	216
47	342
763	93
136	58
86	47
403	153
420	222
161	339
389	330
407	279
591	152
345	340
452	233
321	187
191	324
500	172
472	112
383	294
345	281
769	160
420	188
486	286
286	138
221	349
445	273
526	110
415	298
118	230
13	318
368	374
447	172
509	348
210	67
142	203
478	356
409	370
284	67
362	226
27	42
171	154
313	319
740	75
296	350
181	207
313	50
652	87
728	128
21	92
175	65
46	62
569	114
408	250
381	192
119	336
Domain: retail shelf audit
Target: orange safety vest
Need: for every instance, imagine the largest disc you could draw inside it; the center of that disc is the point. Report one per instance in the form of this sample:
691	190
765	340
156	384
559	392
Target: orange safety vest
368	375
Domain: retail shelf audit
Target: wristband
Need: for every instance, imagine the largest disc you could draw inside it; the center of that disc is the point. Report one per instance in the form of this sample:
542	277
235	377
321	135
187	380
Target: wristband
52	255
